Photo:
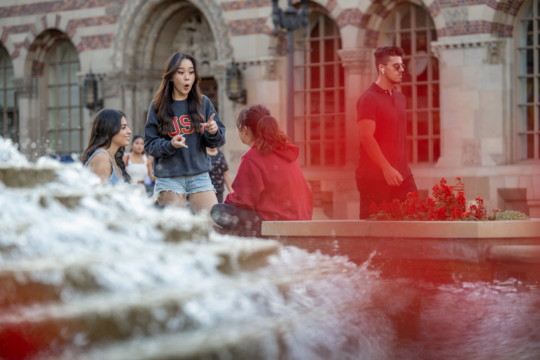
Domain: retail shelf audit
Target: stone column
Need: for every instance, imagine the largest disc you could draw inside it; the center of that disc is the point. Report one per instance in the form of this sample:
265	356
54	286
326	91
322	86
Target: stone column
129	89
228	112
359	68
475	95
30	125
144	93
111	90
359	74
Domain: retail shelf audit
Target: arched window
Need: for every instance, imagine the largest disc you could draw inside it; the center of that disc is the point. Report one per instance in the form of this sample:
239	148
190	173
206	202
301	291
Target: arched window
9	127
64	100
411	28
319	96
528	127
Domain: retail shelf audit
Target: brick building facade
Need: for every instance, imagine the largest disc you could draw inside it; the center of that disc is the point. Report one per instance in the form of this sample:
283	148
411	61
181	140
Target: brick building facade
472	81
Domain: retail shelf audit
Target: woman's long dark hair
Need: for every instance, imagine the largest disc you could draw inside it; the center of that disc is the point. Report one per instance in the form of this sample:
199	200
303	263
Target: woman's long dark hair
107	123
163	101
264	127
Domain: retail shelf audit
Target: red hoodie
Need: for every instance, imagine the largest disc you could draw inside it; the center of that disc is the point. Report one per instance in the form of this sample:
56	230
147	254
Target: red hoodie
272	185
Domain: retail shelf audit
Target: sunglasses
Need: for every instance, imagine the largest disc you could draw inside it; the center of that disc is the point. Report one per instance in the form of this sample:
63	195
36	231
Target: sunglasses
397	66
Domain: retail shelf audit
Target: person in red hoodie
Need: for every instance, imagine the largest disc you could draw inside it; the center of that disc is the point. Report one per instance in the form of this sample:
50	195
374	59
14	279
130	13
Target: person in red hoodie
269	185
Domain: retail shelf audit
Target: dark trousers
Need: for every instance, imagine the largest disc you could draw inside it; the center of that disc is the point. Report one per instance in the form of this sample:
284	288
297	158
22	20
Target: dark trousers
241	221
378	190
219	196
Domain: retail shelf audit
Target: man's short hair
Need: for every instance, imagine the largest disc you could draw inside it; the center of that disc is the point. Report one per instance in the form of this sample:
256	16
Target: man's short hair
383	54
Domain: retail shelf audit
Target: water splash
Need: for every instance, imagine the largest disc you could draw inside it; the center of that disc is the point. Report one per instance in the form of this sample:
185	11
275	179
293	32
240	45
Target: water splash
9	155
91	272
99	268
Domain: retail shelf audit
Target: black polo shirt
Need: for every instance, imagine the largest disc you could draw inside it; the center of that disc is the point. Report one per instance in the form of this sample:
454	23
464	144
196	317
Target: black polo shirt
388	112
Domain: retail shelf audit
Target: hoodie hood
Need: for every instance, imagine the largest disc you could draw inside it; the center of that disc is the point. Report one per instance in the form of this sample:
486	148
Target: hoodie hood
290	153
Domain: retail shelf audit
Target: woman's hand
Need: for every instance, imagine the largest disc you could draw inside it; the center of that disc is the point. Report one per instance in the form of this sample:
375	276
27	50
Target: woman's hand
211	125
178	141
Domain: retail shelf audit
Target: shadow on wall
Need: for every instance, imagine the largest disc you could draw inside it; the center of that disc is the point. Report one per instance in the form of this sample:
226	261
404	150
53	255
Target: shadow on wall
513	199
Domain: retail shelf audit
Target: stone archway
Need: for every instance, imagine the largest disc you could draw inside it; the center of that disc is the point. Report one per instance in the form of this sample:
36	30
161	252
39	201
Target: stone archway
138	15
149	32
36	122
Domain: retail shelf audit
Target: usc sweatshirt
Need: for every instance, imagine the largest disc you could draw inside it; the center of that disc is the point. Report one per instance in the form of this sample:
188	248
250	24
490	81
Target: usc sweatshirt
193	160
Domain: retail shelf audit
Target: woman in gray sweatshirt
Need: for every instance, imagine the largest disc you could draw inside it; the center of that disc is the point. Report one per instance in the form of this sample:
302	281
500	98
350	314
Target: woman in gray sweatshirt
181	124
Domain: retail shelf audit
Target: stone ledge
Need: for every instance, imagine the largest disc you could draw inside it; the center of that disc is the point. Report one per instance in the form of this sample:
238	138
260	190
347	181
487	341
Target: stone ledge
404	229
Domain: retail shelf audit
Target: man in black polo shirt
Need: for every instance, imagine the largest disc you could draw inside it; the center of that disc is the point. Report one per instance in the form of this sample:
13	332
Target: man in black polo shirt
383	172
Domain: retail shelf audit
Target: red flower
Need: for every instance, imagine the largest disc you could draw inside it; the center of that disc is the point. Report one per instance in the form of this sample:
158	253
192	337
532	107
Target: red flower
448	204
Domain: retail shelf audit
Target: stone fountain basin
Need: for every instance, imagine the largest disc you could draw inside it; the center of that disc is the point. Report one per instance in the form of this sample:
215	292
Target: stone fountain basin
28	176
418	248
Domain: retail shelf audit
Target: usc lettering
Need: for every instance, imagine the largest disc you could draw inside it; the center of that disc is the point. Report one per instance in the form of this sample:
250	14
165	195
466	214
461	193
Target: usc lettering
181	125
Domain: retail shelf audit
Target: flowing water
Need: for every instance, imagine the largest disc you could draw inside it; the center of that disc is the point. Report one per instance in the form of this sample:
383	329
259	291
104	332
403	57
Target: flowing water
99	273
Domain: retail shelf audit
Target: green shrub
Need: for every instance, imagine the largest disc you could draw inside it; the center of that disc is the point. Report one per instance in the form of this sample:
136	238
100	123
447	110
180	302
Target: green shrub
511	215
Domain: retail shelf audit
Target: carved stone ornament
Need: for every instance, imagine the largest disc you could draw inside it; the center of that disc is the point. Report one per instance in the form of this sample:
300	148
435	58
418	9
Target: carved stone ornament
494	49
495	52
219	67
195	37
110	87
357	61
136	12
271	70
455	15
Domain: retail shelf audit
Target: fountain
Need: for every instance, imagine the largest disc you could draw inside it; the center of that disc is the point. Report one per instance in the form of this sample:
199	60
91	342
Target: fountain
90	272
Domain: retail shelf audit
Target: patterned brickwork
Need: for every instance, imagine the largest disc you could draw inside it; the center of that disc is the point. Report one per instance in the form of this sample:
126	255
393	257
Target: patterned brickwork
476	27
17	51
95	42
330	5
349	17
371	38
17	29
365	21
245	4
381	11
37	68
509	7
51	39
73	25
456	3
434	9
502	30
54	6
249	27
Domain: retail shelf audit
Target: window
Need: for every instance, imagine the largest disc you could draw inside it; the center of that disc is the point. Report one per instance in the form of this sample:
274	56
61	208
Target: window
9	127
528	82
411	28
319	96
64	101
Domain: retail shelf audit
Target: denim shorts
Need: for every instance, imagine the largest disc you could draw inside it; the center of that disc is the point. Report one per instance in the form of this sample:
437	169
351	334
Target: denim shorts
184	185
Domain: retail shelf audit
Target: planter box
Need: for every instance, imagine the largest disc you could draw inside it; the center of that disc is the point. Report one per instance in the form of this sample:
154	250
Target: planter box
413	248
405	229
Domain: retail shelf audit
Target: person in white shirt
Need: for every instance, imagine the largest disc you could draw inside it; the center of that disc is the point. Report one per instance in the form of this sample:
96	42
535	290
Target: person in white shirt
138	164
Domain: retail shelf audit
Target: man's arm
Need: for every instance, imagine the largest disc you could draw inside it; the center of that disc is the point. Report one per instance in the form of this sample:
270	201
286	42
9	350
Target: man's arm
367	129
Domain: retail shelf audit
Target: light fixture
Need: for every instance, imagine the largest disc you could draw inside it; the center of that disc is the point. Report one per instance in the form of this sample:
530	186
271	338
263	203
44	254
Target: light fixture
90	93
235	90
